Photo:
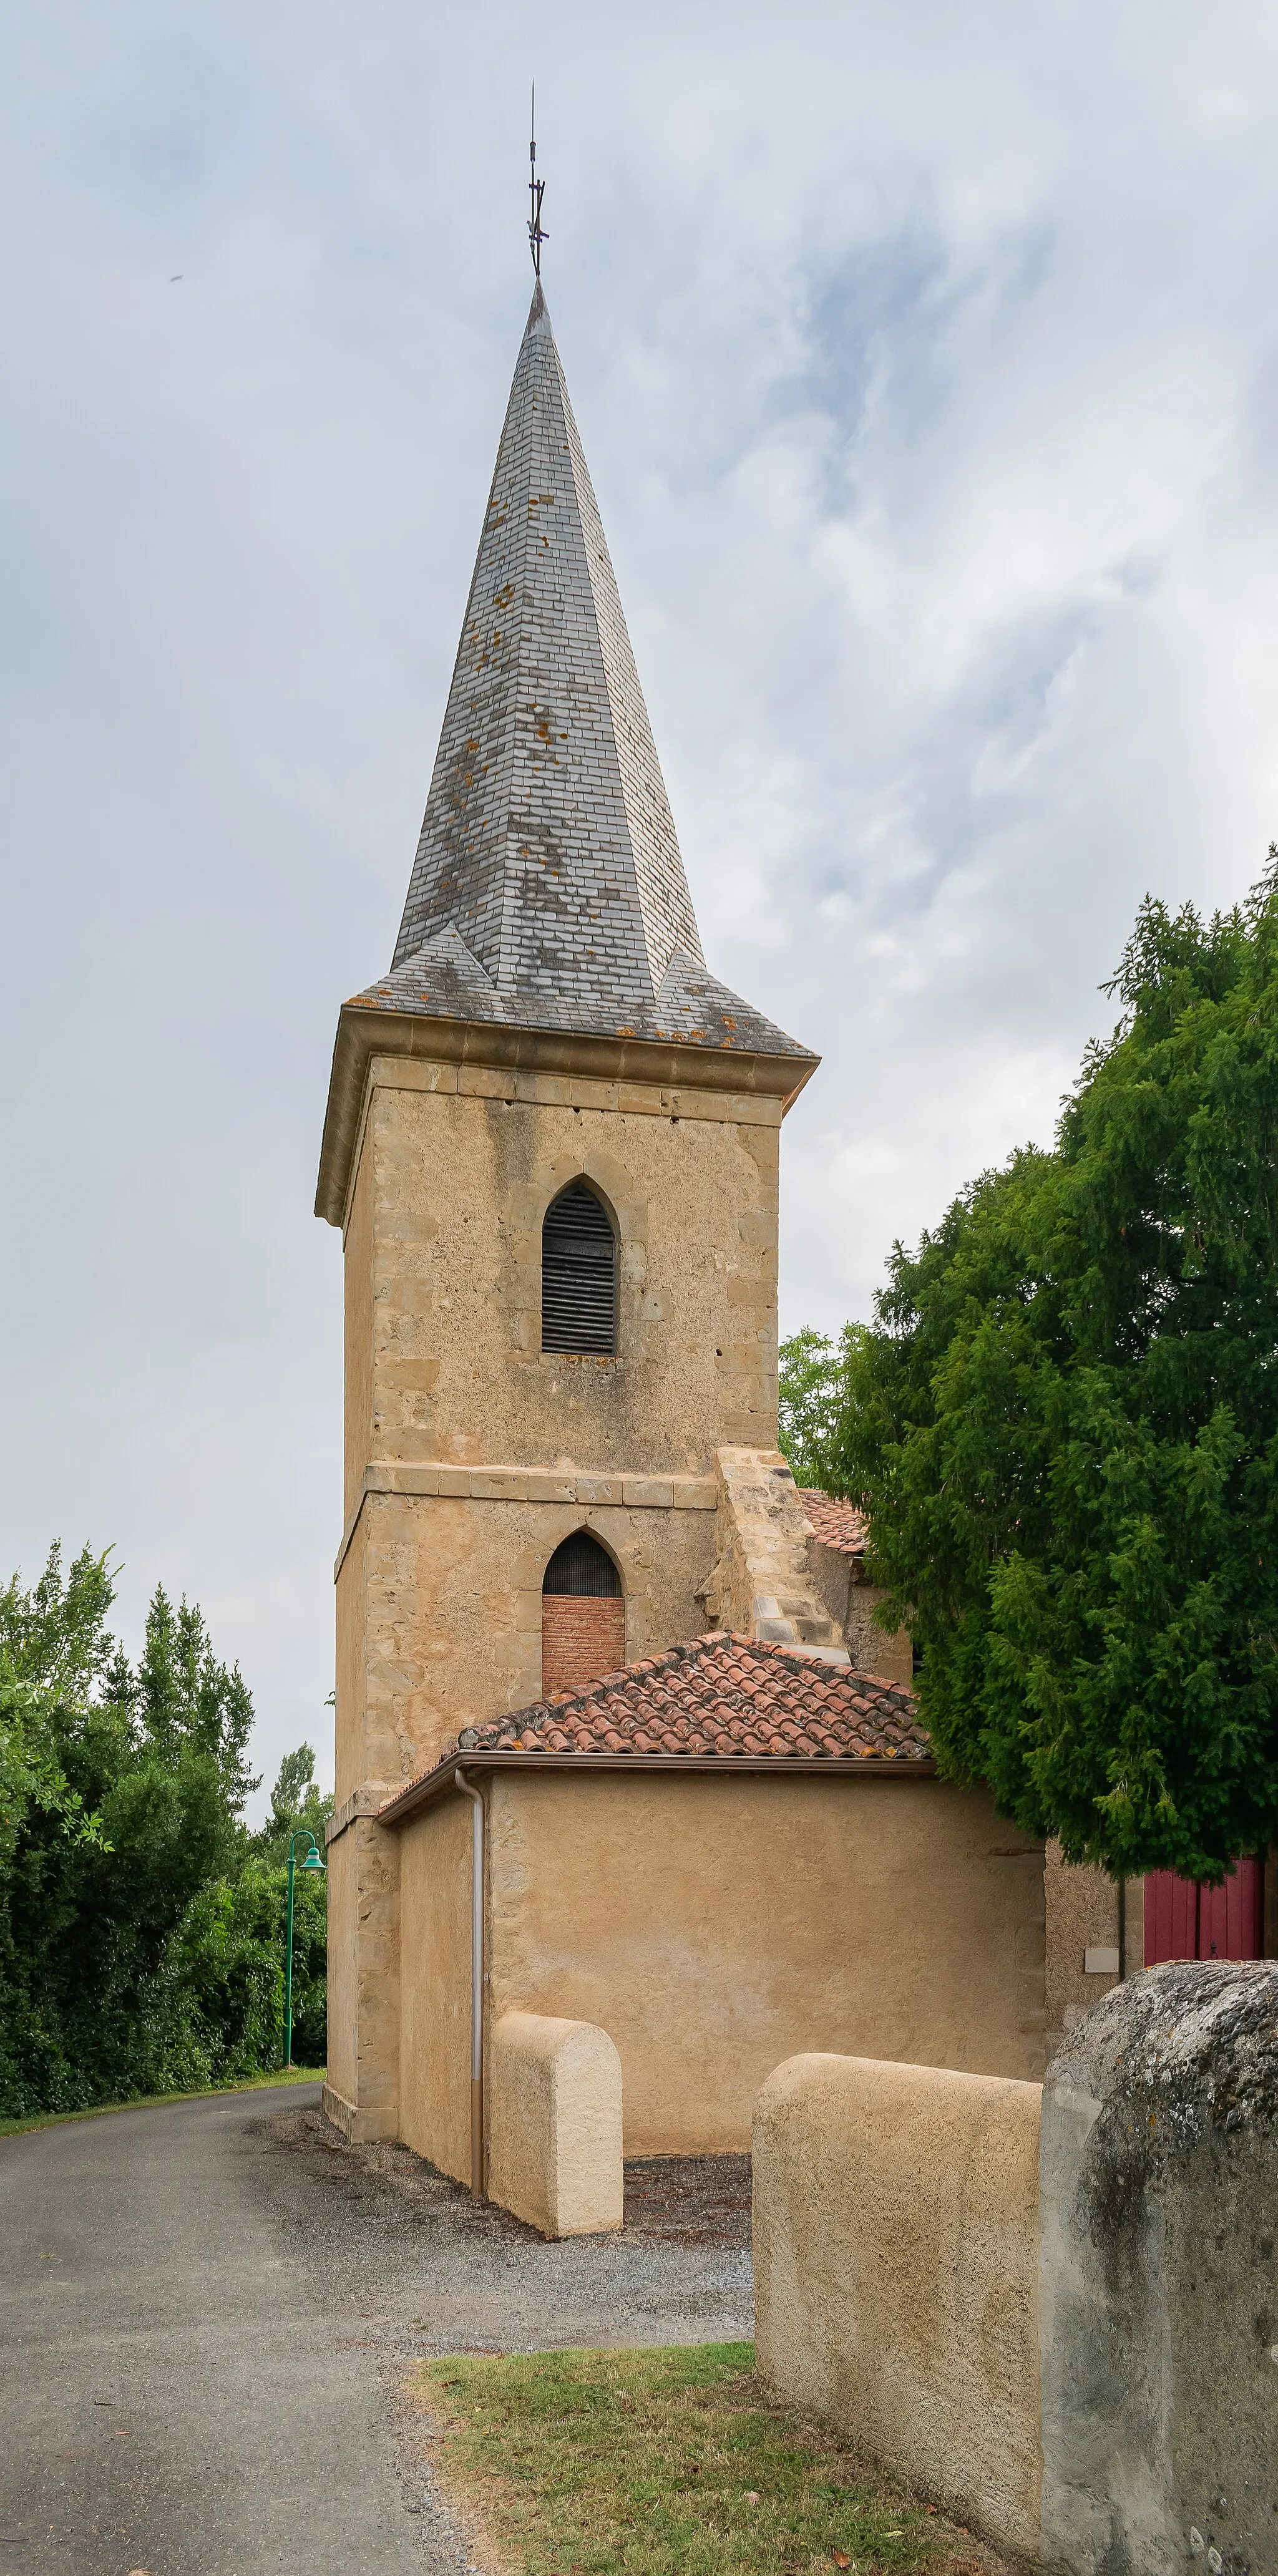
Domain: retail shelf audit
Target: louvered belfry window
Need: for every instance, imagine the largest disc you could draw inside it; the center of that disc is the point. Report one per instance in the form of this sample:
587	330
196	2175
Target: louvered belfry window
578	1274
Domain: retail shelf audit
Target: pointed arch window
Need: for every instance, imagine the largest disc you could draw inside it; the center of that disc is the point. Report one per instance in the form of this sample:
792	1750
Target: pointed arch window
582	1570
583	1615
578	1274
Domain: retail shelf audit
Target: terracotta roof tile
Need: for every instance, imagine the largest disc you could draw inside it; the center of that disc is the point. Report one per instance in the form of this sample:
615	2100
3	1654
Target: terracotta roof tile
731	1695
835	1523
724	1696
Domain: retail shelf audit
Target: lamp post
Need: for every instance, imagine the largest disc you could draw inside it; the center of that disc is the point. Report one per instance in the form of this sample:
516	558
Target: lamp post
311	1861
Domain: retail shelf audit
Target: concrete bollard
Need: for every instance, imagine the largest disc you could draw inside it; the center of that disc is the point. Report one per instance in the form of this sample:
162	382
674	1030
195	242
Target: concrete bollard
896	2254
554	2155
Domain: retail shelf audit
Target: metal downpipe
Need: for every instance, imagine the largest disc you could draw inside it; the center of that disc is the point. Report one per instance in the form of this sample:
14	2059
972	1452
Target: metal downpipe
476	1983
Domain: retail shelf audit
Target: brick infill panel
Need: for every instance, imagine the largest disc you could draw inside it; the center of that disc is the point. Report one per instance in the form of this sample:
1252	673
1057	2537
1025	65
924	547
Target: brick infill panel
581	1639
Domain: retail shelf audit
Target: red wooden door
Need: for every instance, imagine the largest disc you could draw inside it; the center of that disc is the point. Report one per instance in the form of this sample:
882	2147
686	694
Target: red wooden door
1186	1921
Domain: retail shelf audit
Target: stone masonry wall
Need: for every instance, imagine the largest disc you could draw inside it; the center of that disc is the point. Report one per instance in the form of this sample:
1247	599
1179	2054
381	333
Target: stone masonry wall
839	1581
761	1583
463	1163
483	1452
440	1608
471	1453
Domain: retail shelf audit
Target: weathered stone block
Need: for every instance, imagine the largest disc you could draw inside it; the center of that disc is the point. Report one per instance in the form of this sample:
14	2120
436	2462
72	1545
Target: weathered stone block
985	2282
1159	2290
760	1584
652	1493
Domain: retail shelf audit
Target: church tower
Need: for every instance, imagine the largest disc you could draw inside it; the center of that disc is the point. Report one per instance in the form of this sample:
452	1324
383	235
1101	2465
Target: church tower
551	1145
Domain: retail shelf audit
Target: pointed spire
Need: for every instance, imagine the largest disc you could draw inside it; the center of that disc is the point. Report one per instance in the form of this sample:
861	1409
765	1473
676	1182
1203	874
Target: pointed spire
548	915
548	843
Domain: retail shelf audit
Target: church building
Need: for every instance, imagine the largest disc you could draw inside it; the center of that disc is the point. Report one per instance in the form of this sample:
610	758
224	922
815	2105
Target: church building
602	1751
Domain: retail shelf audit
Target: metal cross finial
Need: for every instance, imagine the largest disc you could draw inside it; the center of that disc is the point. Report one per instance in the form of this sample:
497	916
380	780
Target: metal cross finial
536	191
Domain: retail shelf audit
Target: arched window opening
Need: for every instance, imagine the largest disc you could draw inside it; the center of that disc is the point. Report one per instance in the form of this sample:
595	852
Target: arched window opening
584	1569
583	1615
578	1275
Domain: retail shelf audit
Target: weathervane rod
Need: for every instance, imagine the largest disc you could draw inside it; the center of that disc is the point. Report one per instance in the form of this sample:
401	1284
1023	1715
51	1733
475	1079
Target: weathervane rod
536	191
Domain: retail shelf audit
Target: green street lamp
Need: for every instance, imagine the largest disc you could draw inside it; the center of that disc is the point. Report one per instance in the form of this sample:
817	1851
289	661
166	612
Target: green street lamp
312	1862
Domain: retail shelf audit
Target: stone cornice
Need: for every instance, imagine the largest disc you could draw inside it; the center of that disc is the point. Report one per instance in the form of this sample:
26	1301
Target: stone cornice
363	1033
439	1477
367	1800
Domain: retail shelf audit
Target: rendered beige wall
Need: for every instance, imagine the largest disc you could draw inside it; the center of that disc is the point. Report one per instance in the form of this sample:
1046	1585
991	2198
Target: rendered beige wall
1081	1904
1082	1915
714	1926
434	2072
851	1601
555	2125
896	2269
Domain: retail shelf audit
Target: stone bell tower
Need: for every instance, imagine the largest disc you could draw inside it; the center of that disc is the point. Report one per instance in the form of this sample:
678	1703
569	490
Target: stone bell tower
551	1146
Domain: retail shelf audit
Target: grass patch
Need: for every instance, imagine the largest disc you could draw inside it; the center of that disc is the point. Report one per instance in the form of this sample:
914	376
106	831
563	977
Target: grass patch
641	2463
152	2101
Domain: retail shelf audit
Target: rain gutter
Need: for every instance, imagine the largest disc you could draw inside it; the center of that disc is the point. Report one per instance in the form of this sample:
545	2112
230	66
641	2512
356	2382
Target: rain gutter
719	1766
460	1781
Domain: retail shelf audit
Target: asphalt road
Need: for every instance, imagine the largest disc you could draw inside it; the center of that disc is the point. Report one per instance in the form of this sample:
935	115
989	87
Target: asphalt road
208	2313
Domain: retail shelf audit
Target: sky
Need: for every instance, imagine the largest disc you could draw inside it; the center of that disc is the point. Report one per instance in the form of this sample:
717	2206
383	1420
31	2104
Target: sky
925	355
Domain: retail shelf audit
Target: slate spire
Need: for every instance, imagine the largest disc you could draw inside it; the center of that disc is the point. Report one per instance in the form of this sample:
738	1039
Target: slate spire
548	843
548	894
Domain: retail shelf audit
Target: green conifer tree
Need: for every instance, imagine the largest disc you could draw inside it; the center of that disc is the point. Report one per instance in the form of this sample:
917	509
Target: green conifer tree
1064	1423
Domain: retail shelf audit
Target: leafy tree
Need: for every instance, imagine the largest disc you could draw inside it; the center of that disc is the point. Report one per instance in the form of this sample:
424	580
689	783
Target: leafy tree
1064	1423
813	1395
298	1805
49	1656
189	1704
141	1925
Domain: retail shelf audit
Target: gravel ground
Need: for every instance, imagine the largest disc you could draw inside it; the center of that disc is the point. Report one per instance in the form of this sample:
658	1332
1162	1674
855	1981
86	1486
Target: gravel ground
209	2311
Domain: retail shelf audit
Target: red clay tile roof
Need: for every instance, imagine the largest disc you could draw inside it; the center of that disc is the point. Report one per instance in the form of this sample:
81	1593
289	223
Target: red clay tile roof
836	1524
720	1695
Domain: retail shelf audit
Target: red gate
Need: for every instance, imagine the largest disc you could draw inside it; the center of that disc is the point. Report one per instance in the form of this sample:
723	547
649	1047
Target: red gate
1184	1920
